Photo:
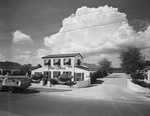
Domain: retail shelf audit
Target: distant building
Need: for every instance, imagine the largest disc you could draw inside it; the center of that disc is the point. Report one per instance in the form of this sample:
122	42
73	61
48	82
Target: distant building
147	70
66	64
9	67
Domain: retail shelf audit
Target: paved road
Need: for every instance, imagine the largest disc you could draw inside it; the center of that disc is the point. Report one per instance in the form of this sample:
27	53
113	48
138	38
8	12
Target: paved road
113	87
35	102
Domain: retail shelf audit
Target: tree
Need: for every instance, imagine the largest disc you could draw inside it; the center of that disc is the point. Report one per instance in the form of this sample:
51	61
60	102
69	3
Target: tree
131	59
27	68
105	65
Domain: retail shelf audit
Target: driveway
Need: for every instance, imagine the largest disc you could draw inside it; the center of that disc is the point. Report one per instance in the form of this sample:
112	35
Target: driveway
112	87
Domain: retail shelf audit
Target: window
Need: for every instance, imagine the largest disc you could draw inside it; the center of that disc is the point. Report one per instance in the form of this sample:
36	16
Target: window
38	72
78	62
56	73
67	61
6	72
82	76
79	76
16	73
57	62
47	62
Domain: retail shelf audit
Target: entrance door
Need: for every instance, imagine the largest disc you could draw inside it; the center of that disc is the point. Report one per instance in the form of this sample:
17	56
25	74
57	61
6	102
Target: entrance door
47	75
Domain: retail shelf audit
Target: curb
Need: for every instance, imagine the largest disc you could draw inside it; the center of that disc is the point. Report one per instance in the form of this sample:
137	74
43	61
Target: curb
45	87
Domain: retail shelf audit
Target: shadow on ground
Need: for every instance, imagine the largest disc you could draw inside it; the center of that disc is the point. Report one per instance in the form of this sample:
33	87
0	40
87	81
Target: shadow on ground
41	90
113	76
28	91
98	82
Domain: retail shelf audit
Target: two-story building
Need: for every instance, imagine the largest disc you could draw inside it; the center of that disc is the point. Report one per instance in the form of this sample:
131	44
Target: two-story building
66	64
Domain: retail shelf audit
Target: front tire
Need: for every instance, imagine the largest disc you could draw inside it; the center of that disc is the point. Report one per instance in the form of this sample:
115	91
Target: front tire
1	88
11	90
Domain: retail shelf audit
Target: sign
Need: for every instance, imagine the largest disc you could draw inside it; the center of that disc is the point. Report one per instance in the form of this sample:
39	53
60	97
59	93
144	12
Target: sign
56	68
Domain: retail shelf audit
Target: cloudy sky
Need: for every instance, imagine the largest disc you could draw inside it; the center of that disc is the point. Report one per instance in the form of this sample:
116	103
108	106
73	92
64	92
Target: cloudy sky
30	29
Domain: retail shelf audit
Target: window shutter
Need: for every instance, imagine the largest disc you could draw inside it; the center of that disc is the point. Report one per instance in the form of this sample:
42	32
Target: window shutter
82	76
49	62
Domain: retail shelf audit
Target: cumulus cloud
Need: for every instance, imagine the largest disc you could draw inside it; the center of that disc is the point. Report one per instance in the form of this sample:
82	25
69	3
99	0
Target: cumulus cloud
21	38
16	49
24	58
27	52
93	31
42	52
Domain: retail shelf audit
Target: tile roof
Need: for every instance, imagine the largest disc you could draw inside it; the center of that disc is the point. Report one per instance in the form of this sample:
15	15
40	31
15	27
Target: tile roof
88	67
62	55
82	67
92	67
10	65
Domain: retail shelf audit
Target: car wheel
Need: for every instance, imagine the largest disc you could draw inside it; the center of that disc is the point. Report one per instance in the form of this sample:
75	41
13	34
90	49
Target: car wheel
11	90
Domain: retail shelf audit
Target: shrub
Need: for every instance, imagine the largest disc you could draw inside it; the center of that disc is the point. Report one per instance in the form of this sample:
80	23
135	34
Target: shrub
37	76
54	81
94	78
105	73
65	78
62	78
70	83
141	83
99	74
137	76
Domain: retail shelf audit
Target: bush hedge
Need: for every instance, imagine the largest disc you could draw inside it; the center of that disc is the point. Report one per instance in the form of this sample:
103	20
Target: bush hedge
98	74
54	81
141	83
64	78
37	76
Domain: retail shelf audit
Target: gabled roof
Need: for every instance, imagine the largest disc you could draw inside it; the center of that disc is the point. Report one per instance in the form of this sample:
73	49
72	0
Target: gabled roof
82	67
62	55
92	67
88	67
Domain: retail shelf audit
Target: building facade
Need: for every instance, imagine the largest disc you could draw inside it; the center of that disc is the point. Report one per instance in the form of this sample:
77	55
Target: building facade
64	64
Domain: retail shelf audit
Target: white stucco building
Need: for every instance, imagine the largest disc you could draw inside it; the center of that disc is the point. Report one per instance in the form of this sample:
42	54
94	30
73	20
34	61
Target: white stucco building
68	64
147	70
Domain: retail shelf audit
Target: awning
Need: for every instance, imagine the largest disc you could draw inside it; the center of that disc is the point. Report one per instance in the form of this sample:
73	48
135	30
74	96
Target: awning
67	61
56	61
47	62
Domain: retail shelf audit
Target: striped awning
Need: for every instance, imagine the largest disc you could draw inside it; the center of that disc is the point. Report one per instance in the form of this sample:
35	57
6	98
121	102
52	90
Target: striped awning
56	60
47	62
66	60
